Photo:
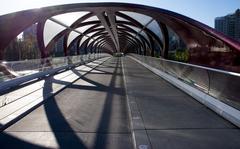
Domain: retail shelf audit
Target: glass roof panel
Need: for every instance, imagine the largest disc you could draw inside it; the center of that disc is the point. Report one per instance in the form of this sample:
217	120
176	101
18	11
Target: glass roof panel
144	35
93	18
139	31
154	27
101	40
82	29
120	27
51	29
131	34
121	19
134	28
82	40
134	35
69	18
99	27
141	18
90	42
95	43
138	38
128	33
71	37
97	36
90	34
175	41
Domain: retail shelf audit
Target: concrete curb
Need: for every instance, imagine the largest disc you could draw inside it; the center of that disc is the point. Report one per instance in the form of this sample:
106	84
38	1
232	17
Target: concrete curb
139	133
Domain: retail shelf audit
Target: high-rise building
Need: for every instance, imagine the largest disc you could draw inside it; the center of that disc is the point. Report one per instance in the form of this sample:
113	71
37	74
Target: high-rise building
229	25
58	47
30	32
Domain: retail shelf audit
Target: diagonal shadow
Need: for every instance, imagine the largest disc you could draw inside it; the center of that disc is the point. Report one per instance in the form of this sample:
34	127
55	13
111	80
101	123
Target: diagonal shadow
8	141
104	122
63	132
102	65
105	118
97	86
99	72
98	69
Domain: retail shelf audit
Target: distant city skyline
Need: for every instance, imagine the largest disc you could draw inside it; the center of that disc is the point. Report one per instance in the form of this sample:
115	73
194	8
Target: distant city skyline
204	11
229	24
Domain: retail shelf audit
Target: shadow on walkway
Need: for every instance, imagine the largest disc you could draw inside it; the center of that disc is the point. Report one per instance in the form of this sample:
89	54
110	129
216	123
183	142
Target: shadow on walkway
64	134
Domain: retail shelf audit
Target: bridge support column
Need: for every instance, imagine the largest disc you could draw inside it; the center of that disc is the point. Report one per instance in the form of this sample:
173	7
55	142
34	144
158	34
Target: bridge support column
165	40
1	54
65	47
45	61
152	47
40	40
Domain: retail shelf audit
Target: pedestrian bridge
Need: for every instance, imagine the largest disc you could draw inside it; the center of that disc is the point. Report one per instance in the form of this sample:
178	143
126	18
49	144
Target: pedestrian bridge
133	99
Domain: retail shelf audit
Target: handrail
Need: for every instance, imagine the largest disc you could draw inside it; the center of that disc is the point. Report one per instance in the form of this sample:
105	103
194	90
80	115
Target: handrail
45	71
198	66
219	84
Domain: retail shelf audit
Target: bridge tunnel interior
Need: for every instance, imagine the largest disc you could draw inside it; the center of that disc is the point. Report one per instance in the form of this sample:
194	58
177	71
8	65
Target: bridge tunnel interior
117	27
85	29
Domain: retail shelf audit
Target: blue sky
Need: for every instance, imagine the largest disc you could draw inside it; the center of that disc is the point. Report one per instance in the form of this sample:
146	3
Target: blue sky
202	10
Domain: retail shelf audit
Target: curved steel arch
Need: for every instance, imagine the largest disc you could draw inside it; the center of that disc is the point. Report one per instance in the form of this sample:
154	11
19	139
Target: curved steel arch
94	35
137	24
103	46
102	35
77	39
193	33
140	36
142	40
147	31
130	37
91	29
130	42
98	40
105	39
65	33
85	43
91	44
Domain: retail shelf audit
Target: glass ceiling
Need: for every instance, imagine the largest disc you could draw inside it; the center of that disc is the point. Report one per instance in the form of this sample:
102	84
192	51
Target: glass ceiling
121	19
84	28
134	28
72	36
93	18
91	40
70	18
97	36
92	33
139	31
154	27
64	21
82	40
143	19
99	27
51	29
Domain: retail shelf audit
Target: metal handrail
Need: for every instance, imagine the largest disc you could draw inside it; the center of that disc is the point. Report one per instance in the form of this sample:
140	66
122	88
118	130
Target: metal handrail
45	70
219	84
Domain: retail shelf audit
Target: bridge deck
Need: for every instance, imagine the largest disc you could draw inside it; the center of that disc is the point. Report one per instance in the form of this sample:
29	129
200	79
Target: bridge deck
171	118
92	113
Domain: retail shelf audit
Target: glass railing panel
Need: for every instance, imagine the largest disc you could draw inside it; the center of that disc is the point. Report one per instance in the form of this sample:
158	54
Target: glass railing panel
219	84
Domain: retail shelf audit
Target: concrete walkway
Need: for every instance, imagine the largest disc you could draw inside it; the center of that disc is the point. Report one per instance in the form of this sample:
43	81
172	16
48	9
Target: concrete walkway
171	118
93	112
90	113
